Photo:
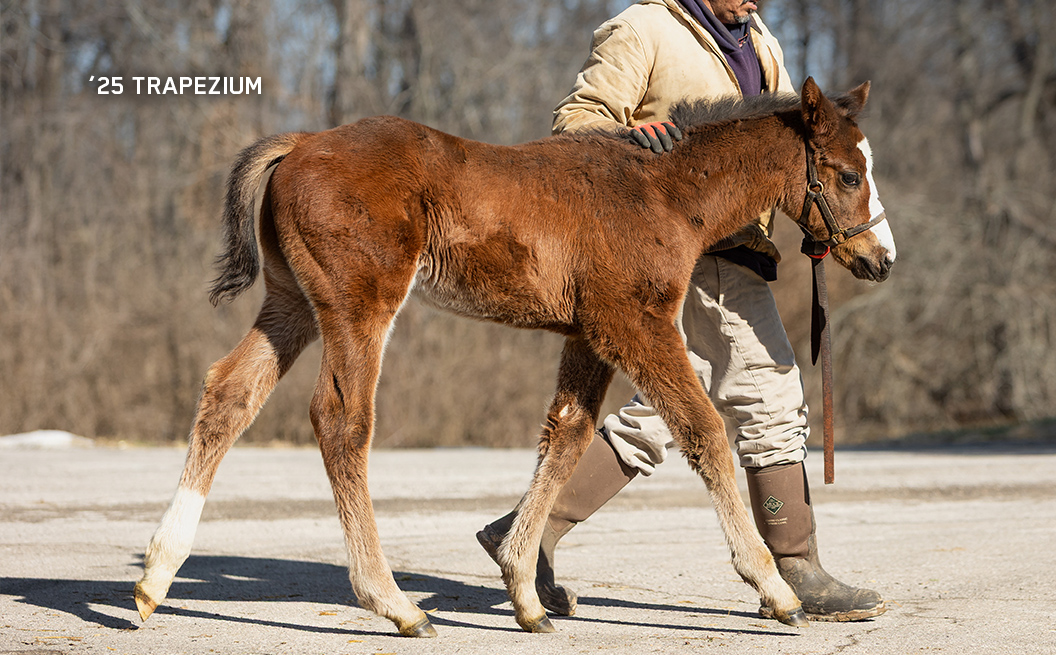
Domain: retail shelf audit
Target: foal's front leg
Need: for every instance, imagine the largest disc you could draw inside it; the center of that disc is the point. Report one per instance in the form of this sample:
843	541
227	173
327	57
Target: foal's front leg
582	381
659	367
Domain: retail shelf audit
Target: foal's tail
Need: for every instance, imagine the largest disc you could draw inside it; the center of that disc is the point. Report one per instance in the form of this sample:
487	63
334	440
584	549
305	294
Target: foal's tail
239	263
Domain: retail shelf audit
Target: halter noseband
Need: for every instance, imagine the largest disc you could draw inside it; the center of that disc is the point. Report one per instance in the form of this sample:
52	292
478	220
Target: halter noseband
815	195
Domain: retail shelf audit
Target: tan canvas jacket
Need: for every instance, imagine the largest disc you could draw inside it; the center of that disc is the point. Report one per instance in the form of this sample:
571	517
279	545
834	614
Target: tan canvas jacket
648	58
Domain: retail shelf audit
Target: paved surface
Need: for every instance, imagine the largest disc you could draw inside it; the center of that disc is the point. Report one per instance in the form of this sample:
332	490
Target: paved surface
961	544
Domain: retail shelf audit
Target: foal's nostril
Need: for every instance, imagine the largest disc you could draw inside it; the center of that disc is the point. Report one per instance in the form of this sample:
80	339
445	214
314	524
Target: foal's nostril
885	268
873	269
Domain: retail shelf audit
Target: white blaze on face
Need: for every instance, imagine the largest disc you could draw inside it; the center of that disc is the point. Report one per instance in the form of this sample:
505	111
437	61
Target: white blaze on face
882	231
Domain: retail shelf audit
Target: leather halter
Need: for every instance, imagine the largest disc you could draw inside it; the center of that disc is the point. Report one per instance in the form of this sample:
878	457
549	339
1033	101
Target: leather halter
816	196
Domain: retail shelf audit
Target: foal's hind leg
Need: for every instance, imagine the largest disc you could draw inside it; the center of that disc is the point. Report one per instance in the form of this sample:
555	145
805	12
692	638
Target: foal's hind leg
653	356
343	416
234	391
582	381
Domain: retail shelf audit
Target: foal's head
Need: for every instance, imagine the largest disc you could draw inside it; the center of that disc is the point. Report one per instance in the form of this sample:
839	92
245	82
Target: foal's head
843	161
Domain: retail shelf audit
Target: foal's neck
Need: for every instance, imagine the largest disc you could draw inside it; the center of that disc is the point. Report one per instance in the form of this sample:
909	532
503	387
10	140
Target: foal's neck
724	175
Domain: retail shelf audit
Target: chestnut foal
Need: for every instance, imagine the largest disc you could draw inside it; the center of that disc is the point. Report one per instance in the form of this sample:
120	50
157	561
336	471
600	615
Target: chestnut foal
585	235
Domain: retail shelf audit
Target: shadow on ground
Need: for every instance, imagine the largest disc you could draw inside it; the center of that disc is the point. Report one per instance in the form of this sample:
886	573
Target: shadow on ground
248	579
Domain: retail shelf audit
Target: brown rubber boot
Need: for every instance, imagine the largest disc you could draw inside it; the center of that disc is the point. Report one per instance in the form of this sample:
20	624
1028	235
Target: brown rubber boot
599	475
781	505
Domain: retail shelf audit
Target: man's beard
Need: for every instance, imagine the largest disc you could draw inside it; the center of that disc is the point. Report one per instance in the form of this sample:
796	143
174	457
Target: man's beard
741	20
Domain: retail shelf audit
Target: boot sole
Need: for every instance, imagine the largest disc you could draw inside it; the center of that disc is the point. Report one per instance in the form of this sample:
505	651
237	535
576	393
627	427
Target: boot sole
835	617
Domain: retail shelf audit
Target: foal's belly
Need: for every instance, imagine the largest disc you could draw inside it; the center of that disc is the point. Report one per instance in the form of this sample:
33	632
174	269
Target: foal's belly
505	287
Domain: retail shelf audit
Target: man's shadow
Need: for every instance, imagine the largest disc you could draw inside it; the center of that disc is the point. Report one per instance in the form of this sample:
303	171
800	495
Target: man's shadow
226	578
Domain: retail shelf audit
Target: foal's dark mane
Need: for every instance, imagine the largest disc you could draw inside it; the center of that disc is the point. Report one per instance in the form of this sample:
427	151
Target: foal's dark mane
687	113
691	113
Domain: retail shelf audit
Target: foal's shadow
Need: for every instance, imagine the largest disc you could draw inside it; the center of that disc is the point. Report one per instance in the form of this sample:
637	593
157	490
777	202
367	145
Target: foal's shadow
224	578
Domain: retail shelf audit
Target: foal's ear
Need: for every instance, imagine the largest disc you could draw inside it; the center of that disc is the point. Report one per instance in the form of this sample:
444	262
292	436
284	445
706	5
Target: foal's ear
819	113
853	103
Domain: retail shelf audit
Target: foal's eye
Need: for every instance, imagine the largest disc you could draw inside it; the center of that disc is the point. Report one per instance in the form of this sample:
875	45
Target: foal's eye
851	179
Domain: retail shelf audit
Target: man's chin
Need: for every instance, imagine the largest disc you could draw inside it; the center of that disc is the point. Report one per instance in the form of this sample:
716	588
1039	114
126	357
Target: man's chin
752	8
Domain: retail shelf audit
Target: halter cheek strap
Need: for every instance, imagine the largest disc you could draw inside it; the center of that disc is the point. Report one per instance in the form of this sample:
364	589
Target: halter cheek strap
815	195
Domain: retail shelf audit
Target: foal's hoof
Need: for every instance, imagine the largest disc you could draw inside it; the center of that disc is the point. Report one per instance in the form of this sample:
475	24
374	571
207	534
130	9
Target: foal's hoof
144	603
797	618
542	624
420	629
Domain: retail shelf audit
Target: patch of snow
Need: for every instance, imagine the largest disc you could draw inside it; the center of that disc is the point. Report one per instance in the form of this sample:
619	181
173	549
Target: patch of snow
45	439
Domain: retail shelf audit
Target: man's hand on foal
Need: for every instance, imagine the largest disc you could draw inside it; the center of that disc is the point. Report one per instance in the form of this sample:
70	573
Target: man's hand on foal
659	137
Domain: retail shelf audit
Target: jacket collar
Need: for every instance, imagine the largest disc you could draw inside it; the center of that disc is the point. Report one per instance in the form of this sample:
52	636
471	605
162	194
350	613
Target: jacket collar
762	48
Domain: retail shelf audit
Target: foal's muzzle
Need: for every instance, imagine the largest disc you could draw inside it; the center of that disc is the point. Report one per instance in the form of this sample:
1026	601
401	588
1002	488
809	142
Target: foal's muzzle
868	268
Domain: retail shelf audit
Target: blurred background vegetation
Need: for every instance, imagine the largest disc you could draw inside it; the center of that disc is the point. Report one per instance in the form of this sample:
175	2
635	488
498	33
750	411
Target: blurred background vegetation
109	204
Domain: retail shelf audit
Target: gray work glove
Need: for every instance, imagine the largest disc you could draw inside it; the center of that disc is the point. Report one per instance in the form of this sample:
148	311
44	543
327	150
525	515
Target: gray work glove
659	136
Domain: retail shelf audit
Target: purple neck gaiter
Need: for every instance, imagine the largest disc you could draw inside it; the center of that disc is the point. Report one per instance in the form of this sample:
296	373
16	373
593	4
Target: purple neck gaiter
735	44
